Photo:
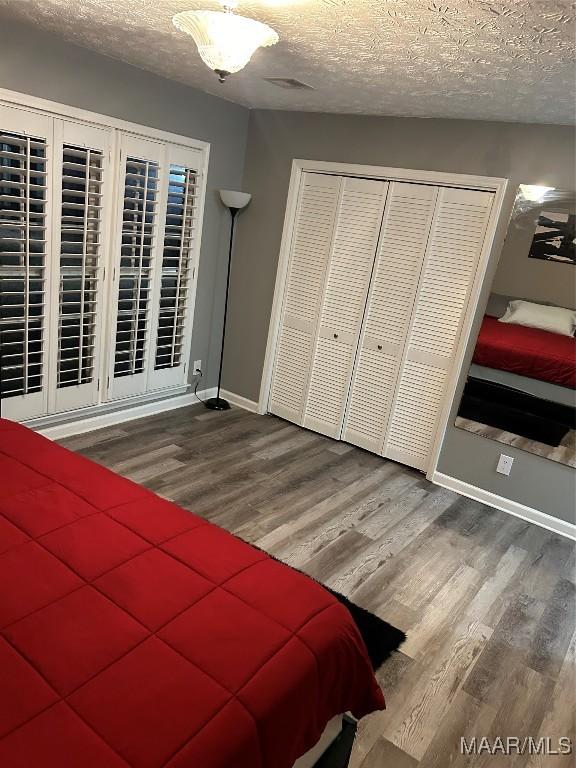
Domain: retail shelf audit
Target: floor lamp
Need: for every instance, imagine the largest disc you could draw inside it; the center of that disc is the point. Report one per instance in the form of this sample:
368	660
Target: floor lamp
234	201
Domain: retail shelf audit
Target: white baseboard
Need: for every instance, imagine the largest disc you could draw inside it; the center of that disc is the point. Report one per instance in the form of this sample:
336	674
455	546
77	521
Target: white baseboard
241	402
92	420
89	423
506	505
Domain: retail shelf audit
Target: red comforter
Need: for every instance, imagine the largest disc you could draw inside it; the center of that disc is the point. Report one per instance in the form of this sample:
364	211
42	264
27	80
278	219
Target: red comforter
527	352
133	633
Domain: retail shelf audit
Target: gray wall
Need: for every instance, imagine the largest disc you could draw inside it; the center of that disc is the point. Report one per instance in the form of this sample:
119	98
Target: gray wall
531	154
40	64
541	281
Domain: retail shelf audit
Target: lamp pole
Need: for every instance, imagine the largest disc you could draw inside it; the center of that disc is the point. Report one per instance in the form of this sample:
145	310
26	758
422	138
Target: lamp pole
219	403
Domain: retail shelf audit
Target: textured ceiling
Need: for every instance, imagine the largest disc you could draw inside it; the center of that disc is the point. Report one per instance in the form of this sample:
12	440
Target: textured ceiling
476	59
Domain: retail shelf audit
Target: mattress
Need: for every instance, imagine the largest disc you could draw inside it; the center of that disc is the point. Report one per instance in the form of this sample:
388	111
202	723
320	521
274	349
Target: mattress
544	390
526	352
134	633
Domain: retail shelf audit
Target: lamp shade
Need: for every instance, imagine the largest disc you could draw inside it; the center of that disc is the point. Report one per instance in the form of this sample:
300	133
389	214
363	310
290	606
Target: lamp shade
235	199
225	41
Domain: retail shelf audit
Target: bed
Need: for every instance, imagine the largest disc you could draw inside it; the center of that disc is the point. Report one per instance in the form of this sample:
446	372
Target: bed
526	352
134	633
521	381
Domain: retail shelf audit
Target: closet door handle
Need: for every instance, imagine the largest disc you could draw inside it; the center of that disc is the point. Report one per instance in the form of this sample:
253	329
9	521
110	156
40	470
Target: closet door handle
335	335
379	346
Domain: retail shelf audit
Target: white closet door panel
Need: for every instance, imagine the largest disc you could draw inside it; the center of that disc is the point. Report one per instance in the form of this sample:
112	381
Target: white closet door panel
329	384
344	301
83	193
310	250
415	414
136	252
370	399
352	257
451	262
26	162
405	231
291	373
456	241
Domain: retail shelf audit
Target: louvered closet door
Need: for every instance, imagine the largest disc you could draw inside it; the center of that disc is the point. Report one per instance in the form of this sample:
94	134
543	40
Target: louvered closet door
311	242
350	266
81	219
456	240
136	253
26	160
405	232
171	321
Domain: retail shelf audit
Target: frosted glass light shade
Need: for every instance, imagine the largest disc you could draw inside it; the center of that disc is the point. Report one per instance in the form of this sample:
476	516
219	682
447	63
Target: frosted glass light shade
235	199
225	41
534	193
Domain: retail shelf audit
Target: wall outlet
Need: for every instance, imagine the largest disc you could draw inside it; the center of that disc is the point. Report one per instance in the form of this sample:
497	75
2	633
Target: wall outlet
197	366
504	464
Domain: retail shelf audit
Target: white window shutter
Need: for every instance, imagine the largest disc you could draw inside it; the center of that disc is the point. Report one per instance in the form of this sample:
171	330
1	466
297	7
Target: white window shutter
176	270
82	209
26	156
351	261
403	241
309	253
452	256
136	254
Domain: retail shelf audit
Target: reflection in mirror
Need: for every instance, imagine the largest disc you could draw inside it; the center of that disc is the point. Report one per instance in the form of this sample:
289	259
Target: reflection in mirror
521	386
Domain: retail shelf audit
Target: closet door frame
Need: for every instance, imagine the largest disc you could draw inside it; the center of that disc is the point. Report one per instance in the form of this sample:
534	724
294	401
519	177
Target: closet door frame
493	240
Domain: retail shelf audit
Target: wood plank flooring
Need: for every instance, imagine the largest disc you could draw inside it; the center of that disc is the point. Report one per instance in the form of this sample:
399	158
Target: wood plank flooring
487	599
565	453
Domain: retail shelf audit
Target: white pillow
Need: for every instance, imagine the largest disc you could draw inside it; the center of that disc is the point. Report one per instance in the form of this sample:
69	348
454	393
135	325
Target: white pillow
553	319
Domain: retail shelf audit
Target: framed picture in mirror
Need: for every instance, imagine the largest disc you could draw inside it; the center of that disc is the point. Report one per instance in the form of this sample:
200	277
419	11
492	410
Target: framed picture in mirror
555	237
521	385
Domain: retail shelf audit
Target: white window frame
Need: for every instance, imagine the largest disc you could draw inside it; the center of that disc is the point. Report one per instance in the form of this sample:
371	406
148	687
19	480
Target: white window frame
35	404
495	185
120	387
177	383
162	378
76	132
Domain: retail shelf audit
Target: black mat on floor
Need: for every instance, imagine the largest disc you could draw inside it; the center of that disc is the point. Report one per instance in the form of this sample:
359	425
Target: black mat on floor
380	637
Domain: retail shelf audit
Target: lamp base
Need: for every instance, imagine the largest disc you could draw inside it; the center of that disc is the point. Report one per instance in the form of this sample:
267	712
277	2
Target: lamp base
217	404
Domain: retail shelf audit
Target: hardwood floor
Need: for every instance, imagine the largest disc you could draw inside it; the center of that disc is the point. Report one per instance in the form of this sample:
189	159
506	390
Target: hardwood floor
565	452
487	599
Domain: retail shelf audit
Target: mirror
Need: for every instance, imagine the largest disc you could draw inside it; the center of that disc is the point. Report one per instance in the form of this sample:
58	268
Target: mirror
520	388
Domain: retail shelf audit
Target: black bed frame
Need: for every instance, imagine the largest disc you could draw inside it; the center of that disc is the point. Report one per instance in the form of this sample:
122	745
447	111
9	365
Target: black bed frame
337	755
513	411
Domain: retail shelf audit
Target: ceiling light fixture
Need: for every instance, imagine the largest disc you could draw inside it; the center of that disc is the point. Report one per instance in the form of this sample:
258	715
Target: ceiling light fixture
534	193
226	42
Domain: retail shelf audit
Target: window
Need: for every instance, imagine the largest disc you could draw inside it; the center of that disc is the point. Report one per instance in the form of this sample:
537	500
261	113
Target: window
22	259
99	240
138	232
176	261
79	257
